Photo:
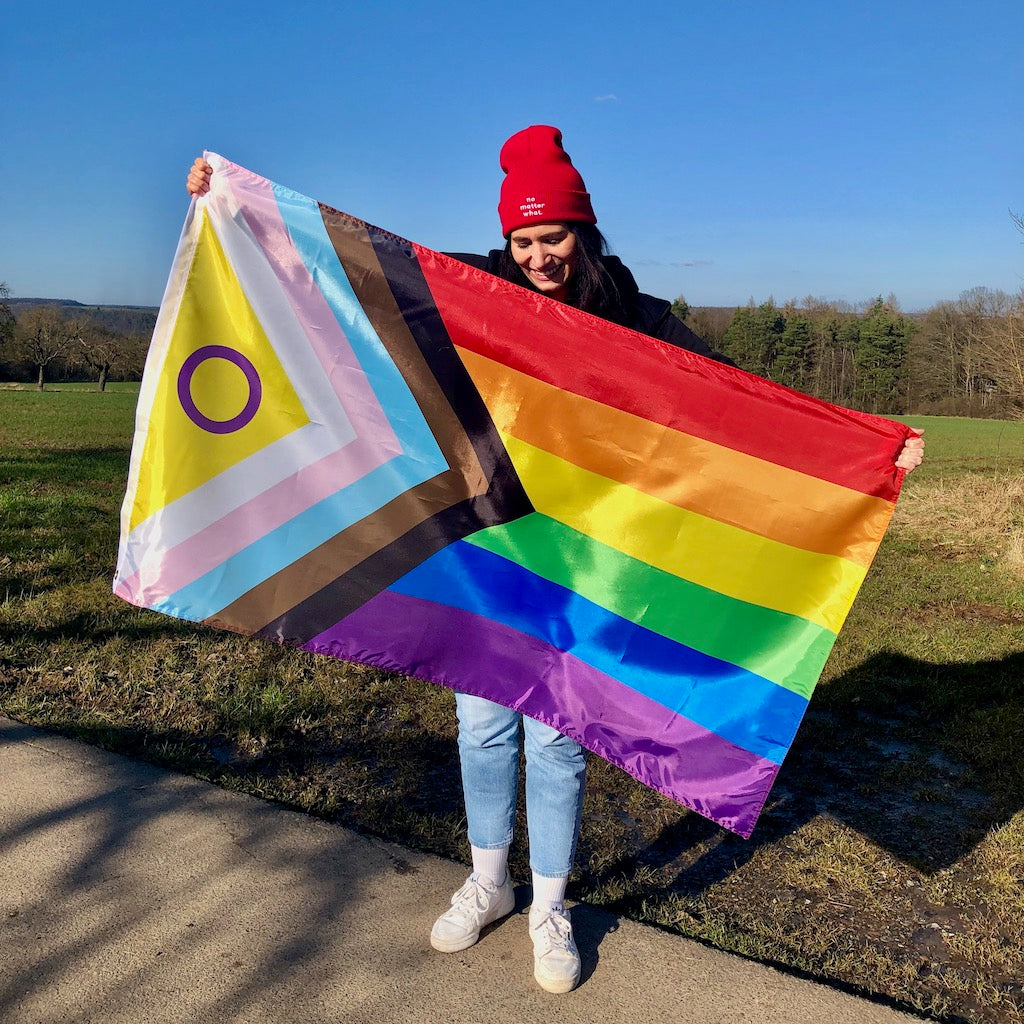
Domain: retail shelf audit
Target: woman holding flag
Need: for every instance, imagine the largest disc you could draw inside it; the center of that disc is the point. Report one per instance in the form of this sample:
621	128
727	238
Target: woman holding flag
553	247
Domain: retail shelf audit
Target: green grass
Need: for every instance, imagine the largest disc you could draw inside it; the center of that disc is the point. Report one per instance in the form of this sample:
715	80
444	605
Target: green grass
73	417
956	445
890	857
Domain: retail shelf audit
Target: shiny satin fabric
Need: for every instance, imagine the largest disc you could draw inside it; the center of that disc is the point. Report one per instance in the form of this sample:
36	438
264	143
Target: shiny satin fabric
351	444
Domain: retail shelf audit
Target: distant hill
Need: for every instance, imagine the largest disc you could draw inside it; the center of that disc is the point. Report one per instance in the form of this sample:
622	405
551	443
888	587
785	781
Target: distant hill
120	319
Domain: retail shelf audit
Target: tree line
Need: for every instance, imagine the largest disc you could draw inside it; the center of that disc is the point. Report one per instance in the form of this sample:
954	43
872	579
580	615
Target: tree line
959	358
43	341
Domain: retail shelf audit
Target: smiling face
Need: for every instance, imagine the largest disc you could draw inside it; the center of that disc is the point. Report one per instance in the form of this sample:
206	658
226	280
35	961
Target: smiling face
546	254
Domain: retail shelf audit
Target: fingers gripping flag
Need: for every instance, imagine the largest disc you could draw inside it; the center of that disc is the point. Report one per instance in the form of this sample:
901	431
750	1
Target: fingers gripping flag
351	444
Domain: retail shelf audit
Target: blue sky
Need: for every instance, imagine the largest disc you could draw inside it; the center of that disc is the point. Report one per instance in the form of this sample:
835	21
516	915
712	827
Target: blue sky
733	150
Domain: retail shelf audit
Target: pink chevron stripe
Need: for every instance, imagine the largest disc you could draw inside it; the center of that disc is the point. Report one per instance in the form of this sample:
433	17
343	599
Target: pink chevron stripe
185	562
326	337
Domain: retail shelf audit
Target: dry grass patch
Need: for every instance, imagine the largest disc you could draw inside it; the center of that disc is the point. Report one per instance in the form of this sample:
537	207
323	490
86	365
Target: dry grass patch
967	517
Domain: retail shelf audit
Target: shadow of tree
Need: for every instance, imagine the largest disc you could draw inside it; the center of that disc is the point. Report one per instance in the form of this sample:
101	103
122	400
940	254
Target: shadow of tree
138	894
922	758
103	895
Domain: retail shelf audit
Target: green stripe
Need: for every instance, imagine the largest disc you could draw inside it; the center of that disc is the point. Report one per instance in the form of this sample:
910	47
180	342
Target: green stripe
786	649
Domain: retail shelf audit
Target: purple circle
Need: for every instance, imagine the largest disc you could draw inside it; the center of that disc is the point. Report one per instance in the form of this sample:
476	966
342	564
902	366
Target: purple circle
189	367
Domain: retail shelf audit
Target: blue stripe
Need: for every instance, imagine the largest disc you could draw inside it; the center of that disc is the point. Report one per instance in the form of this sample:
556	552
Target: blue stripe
235	576
740	706
306	227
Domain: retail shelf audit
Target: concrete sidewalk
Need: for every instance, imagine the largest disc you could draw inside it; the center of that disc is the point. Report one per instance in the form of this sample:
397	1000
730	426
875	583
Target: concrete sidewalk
128	893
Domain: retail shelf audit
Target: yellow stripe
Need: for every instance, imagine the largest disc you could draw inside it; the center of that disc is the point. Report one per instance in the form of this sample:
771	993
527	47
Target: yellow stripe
179	455
723	558
709	479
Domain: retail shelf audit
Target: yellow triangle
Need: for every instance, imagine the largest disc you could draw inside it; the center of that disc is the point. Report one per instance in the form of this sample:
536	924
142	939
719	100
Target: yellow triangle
186	447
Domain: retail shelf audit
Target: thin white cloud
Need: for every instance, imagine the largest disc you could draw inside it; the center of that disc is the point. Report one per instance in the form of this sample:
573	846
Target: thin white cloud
607	98
672	263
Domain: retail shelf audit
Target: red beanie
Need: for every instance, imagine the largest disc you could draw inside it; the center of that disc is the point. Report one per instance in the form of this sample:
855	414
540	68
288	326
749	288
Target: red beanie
541	185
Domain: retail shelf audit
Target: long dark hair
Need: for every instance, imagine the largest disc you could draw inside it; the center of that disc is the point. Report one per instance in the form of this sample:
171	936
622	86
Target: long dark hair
590	285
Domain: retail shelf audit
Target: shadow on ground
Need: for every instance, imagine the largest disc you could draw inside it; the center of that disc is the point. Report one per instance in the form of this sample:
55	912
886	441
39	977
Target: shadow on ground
923	759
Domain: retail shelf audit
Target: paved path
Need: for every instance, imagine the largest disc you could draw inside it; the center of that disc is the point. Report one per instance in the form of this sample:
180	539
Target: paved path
131	894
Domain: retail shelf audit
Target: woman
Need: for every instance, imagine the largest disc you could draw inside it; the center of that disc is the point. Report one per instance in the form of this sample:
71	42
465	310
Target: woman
553	247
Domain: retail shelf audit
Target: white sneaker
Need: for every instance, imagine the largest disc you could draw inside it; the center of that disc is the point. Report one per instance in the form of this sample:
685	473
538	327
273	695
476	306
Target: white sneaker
556	960
475	905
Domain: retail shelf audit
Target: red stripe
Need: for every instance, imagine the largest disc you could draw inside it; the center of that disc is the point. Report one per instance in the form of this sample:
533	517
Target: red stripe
659	382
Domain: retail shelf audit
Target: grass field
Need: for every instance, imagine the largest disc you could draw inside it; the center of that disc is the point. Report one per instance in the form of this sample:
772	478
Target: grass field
890	858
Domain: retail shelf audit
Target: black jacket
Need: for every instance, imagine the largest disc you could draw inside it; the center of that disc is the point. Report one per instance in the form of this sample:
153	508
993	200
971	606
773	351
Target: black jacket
647	314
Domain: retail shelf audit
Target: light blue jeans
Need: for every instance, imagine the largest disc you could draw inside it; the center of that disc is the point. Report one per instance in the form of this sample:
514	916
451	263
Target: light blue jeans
555	769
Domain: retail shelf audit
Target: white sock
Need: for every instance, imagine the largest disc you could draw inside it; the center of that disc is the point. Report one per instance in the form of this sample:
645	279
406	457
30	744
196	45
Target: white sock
548	893
491	864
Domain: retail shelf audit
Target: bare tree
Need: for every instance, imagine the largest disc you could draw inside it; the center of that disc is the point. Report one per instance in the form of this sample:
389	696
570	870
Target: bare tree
7	320
711	323
43	335
1000	341
101	350
935	361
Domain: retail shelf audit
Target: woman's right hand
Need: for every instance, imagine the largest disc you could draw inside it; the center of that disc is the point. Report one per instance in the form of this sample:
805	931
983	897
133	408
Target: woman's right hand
198	180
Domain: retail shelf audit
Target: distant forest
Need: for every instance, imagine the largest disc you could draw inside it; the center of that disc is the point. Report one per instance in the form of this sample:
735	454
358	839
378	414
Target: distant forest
962	358
51	340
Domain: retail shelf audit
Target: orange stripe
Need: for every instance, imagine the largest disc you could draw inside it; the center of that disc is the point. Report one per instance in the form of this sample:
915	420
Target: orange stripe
709	479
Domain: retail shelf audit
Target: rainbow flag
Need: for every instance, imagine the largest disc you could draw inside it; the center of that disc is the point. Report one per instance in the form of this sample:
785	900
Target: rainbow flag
352	444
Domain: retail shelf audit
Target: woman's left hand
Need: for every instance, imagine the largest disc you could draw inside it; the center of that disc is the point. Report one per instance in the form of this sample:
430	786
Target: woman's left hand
198	181
912	454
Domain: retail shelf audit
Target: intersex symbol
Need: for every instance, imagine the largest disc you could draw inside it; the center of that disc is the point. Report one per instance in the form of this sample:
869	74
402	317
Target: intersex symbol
252	378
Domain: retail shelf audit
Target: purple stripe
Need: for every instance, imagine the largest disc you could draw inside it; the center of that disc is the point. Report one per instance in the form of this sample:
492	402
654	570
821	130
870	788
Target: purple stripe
467	652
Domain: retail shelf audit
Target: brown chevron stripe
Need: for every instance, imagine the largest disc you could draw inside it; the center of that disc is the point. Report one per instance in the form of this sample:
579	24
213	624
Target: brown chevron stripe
479	489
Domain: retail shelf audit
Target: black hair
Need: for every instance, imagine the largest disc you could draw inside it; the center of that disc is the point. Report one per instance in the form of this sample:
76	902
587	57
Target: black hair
591	287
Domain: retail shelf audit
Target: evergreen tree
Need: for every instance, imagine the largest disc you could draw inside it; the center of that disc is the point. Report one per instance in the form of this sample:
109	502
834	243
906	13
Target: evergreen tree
680	308
880	355
769	324
794	353
753	337
736	342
